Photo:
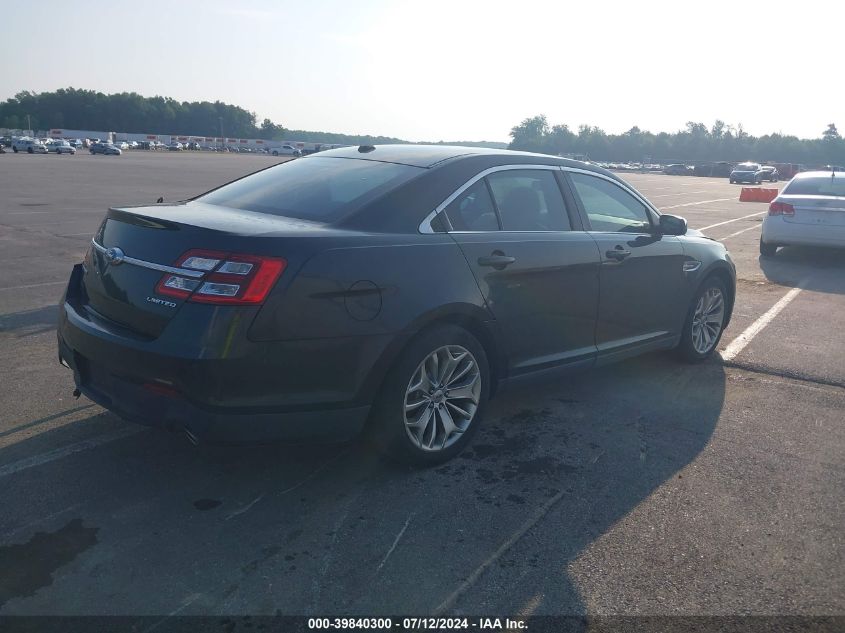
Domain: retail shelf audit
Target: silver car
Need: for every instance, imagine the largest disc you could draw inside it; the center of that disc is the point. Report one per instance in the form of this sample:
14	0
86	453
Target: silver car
61	147
810	211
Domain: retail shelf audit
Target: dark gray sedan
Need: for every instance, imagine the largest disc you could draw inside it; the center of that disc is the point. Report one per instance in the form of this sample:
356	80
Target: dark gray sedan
390	289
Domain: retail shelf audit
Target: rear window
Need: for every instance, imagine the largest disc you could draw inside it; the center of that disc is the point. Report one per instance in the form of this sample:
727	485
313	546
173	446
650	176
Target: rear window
321	189
747	167
820	186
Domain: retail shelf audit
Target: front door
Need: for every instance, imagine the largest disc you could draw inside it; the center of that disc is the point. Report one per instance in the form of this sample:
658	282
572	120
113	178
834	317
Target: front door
641	279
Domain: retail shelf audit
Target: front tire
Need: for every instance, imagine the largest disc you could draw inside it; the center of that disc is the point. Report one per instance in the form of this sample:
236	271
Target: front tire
767	250
433	400
29	150
705	321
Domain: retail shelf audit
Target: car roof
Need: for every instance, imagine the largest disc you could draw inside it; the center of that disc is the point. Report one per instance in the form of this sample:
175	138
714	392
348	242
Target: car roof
431	155
819	174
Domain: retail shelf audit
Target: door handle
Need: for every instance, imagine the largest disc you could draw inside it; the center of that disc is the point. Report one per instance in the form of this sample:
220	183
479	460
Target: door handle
497	261
617	253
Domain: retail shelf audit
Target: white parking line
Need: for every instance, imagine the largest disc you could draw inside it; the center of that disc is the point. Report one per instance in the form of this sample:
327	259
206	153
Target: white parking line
692	204
51	456
686	193
750	228
739	343
745	217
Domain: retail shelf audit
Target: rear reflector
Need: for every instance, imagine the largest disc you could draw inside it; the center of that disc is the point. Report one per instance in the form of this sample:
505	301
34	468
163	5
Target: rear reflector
232	279
161	389
781	208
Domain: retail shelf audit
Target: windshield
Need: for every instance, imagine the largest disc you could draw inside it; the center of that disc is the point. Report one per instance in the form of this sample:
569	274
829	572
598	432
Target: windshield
320	189
817	186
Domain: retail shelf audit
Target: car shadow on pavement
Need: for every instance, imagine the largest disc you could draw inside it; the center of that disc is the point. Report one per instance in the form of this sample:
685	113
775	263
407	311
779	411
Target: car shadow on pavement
812	268
337	529
30	322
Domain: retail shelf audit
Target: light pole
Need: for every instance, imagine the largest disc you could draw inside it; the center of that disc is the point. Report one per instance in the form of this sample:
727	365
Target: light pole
222	143
28	125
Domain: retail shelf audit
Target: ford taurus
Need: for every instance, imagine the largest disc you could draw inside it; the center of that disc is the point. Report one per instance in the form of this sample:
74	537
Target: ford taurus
388	289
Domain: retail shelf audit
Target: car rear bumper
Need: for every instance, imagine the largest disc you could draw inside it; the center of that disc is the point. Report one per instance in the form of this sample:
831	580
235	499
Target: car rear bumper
250	392
778	231
153	404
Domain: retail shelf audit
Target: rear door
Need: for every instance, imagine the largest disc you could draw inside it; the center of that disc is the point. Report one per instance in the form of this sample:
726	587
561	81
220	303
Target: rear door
536	267
642	282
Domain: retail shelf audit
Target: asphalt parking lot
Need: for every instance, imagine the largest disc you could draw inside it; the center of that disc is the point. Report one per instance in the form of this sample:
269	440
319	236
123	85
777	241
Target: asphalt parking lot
649	487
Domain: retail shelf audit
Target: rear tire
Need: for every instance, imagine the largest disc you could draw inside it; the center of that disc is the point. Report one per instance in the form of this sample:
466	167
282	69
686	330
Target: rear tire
15	150
767	250
415	420
705	321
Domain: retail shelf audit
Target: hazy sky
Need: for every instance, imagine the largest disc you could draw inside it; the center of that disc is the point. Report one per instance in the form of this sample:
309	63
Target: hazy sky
453	70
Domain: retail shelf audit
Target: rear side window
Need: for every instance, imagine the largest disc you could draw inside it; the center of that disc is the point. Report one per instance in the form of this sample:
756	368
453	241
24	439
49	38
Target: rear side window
473	210
529	200
817	186
321	189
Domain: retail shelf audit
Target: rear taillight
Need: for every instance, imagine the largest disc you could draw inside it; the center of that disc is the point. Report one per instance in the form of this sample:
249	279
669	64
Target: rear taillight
230	278
781	208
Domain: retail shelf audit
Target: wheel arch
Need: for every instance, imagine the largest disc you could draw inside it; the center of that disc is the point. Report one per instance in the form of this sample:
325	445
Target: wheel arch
474	319
721	271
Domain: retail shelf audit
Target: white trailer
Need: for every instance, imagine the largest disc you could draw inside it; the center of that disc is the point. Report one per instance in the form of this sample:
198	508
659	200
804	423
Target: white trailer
71	134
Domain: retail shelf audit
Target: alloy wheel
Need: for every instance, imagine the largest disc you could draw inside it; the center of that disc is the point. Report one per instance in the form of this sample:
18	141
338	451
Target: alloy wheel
442	398
707	320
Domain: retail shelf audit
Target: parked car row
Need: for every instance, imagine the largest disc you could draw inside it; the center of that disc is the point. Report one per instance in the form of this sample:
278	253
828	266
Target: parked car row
627	166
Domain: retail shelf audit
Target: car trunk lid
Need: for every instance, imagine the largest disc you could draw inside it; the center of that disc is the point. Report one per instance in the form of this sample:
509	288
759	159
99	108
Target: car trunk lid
815	210
135	247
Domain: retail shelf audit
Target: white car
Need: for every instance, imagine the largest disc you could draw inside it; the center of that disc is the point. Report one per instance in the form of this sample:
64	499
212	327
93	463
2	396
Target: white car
810	211
60	147
121	145
28	145
285	150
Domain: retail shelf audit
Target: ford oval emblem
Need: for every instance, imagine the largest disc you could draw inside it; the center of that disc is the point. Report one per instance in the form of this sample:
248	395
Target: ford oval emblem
115	256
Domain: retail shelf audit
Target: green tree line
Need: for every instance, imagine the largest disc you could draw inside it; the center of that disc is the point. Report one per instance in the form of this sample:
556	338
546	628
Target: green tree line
130	112
697	142
75	109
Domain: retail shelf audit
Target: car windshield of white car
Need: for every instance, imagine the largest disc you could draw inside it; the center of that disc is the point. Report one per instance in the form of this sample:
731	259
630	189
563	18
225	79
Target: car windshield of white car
321	189
817	186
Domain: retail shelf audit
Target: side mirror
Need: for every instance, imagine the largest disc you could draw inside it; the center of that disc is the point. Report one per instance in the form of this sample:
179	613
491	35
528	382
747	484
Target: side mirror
672	225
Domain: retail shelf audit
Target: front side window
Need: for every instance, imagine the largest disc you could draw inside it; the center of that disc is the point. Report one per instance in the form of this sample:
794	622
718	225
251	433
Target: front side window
609	207
529	200
320	189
